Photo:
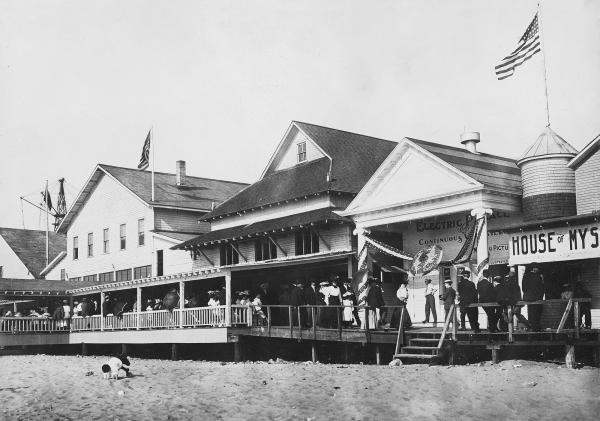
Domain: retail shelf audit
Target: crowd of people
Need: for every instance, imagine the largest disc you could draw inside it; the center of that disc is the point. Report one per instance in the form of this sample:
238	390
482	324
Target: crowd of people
499	293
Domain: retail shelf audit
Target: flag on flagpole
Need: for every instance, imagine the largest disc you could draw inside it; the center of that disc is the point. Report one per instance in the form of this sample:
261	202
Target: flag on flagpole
47	199
145	158
528	46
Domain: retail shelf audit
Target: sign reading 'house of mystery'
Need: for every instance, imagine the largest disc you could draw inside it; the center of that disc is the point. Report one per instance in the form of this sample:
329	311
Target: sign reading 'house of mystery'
555	244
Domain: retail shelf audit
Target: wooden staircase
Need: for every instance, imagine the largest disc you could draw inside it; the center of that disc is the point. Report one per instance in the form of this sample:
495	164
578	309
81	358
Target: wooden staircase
423	347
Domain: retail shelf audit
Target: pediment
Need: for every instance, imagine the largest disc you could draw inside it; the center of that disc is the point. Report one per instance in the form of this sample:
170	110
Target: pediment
410	174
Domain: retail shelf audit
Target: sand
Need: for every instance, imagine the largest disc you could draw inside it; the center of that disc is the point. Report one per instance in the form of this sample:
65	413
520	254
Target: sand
40	387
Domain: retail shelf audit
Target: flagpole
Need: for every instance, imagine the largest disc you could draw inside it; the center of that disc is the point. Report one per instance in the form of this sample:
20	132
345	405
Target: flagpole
46	194
544	62
153	146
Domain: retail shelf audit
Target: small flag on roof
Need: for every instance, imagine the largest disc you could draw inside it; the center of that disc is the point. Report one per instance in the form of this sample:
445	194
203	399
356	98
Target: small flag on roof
528	46
47	199
145	158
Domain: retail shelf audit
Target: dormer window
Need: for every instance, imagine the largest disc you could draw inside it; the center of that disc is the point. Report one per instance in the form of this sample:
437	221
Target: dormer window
301	152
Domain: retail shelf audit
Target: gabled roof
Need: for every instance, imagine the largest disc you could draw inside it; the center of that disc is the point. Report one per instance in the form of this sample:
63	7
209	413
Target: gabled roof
491	170
30	247
355	158
198	194
548	143
585	153
270	226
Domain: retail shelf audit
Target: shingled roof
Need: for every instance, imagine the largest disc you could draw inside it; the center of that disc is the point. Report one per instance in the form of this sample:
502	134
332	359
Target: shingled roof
198	193
355	158
13	287
30	247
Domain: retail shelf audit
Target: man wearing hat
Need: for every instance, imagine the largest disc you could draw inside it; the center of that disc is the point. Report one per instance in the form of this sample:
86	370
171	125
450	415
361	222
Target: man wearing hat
486	293
430	291
448	297
467	294
533	290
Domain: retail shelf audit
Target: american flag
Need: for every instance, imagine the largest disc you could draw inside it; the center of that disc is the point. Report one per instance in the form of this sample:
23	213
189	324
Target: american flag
529	45
145	158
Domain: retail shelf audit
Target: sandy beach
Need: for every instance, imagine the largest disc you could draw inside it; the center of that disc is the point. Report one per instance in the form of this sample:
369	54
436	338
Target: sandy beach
40	387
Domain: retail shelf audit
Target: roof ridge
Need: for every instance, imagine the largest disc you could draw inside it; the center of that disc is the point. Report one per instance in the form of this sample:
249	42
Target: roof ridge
173	174
345	131
459	149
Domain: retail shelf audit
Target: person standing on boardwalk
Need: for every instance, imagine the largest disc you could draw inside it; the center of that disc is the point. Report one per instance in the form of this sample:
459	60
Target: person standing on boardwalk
310	299
448	298
402	295
485	291
533	290
467	294
430	292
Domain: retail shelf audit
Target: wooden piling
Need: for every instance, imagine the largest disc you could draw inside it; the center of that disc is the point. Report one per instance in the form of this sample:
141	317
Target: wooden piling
570	356
124	349
84	349
314	351
174	352
495	355
237	351
377	355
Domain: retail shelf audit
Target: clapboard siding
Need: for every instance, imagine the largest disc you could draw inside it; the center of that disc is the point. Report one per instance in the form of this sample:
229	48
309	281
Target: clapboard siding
587	179
179	220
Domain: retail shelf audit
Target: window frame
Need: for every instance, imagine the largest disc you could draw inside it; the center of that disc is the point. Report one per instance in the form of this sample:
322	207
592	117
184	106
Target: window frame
141	233
76	248
264	249
123	237
90	244
105	241
306	242
118	273
228	255
90	278
141	272
110	275
301	152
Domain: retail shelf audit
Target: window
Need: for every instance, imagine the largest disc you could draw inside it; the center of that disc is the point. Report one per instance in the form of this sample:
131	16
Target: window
264	249
307	242
75	248
228	255
105	243
123	275
141	232
89	278
302	152
142	272
159	263
90	248
123	236
77	279
106	277
63	274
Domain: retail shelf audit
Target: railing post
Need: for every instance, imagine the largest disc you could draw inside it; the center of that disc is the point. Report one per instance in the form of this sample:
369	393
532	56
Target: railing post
291	320
314	321
367	318
299	322
576	318
454	322
102	298
228	299
510	324
339	321
139	307
181	302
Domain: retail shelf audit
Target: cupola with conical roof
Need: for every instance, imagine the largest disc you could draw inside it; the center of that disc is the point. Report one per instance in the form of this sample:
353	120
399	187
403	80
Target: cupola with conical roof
548	183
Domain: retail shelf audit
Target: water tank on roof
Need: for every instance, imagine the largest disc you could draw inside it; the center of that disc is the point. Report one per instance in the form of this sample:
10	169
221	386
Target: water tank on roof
548	184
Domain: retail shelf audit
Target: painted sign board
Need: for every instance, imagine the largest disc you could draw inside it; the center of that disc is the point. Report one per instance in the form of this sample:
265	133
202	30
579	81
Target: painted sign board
555	244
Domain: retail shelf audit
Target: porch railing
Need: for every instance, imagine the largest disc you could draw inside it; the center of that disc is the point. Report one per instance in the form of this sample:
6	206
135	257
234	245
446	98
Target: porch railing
30	324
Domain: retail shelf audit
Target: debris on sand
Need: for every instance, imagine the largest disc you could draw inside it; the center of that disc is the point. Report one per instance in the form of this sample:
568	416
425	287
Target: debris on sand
395	363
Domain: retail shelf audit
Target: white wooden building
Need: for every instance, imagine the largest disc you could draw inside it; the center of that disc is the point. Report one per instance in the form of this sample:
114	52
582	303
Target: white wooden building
116	232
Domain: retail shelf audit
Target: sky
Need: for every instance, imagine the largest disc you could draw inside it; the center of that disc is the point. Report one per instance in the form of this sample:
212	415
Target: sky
82	82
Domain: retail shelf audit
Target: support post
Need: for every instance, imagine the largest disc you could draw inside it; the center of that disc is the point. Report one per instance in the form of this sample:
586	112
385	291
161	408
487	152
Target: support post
237	350
314	322
102	298
510	324
15	308
314	351
291	320
596	352
138	294
228	299
495	356
377	355
454	323
84	349
181	302
124	349
570	355
269	320
174	352
339	322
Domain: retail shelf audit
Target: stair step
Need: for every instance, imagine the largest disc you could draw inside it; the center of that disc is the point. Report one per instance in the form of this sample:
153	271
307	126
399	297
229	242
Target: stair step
416	356
421	348
426	340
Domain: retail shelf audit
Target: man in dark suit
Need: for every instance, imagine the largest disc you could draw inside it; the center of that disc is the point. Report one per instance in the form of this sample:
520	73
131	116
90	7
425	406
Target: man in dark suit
310	299
467	294
486	293
533	290
448	297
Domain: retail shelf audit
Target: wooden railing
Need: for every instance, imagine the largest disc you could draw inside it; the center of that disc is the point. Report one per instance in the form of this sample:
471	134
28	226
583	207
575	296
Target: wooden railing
451	317
30	324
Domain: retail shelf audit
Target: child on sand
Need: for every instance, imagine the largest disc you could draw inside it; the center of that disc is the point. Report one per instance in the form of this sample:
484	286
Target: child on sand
111	369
